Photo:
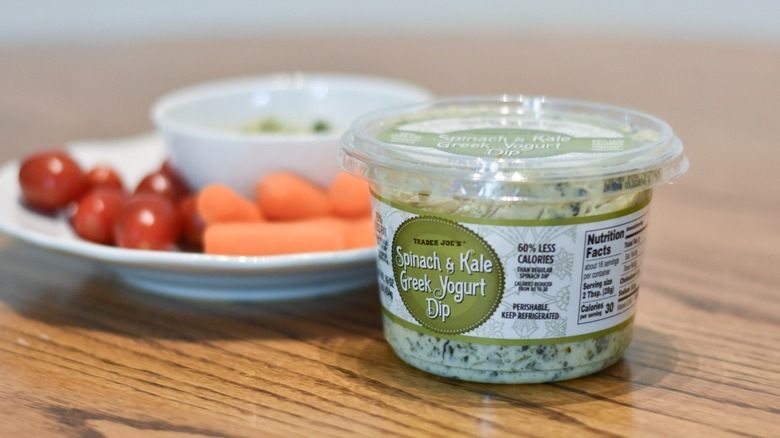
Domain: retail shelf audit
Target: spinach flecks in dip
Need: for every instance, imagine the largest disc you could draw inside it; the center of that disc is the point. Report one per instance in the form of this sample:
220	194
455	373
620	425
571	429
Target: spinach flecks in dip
272	125
506	364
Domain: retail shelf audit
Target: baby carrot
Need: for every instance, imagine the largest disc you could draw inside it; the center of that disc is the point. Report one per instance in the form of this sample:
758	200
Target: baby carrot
349	196
285	196
273	238
217	203
360	233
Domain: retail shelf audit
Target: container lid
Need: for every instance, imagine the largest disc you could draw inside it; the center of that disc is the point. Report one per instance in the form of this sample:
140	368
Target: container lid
512	139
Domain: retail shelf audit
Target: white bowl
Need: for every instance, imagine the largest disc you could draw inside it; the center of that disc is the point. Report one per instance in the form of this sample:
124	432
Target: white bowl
202	124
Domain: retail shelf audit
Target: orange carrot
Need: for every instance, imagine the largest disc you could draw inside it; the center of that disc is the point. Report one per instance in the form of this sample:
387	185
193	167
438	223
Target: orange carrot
360	233
217	203
285	196
272	238
349	196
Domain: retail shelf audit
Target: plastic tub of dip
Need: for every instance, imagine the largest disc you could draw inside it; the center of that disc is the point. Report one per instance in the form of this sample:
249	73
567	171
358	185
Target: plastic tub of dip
510	230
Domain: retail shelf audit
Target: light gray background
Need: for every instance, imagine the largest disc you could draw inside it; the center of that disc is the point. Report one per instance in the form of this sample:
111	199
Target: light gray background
36	22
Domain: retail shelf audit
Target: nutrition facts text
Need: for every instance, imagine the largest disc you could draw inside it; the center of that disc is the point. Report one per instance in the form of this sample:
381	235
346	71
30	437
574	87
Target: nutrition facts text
610	270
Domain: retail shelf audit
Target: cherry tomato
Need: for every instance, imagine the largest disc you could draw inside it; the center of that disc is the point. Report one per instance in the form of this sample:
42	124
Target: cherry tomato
147	221
50	180
168	169
104	175
192	224
96	212
161	184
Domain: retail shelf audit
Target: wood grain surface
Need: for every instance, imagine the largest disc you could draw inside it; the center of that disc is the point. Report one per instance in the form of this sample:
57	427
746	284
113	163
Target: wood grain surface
82	355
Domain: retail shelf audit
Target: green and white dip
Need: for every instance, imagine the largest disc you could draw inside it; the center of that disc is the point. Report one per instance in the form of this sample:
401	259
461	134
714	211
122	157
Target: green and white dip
510	230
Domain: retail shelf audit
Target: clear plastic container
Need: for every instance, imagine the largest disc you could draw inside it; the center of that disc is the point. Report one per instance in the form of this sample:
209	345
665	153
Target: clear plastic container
510	230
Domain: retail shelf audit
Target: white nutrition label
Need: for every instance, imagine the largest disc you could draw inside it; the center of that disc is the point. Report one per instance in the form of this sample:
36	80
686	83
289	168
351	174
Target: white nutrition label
610	270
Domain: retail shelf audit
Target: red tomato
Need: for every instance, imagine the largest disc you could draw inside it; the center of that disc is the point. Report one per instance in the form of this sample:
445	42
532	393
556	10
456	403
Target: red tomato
104	175
51	180
192	224
168	169
147	221
96	212
161	184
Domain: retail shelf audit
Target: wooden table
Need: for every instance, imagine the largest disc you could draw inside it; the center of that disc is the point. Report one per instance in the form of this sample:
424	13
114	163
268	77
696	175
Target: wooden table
83	355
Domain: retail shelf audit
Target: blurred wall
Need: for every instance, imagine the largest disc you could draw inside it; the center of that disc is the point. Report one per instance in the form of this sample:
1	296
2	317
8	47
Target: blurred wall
24	22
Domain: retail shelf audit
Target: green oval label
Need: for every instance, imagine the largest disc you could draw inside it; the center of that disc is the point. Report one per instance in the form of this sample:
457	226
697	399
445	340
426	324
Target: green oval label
449	278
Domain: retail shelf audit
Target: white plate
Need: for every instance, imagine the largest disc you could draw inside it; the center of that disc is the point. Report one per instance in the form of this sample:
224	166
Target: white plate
178	274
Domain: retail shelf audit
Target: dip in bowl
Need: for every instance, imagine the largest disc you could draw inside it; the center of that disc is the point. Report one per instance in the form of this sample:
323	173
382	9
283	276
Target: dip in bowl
510	230
234	131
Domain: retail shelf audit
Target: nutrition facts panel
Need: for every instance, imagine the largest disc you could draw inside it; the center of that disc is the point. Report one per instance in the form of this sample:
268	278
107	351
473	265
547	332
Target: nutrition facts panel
610	271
